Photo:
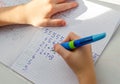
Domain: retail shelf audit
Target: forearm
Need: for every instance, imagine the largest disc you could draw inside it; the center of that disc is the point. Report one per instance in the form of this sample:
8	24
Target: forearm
11	15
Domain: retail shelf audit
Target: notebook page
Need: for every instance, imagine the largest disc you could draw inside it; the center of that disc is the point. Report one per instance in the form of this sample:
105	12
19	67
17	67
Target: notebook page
40	52
12	41
41	65
7	3
13	38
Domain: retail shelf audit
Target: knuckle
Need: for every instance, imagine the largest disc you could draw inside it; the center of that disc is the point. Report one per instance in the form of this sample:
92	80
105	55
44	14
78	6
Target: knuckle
51	8
71	33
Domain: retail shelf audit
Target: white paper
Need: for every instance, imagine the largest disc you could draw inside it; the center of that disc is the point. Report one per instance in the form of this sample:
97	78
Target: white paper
41	65
7	3
13	40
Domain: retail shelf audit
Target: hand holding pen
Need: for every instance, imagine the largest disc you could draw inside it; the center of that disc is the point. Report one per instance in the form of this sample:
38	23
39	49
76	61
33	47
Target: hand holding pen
79	58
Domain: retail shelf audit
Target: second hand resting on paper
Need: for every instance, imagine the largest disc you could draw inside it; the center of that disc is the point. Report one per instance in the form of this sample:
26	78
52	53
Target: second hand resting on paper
36	13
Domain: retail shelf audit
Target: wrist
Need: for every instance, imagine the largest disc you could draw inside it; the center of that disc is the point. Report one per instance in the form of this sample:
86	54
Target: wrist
12	15
87	76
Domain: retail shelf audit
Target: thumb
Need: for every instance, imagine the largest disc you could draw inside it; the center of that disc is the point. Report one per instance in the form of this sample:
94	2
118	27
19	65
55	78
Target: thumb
53	23
62	51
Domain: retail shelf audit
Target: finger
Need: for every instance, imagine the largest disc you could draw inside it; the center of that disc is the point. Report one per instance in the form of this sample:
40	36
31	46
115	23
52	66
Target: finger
62	51
53	23
71	36
64	6
59	1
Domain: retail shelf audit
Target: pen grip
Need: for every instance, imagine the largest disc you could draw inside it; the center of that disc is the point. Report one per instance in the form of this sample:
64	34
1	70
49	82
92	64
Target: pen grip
66	45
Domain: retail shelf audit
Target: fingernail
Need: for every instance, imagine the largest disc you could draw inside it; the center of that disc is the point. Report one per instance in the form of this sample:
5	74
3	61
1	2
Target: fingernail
63	23
74	4
55	47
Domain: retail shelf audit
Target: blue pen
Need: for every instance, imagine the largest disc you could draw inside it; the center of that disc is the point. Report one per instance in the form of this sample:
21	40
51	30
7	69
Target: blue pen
83	41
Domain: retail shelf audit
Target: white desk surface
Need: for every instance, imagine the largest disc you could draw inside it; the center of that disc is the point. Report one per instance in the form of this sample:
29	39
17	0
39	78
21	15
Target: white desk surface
107	67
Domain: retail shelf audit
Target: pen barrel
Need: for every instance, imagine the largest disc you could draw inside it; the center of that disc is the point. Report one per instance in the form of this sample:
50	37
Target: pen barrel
83	41
77	43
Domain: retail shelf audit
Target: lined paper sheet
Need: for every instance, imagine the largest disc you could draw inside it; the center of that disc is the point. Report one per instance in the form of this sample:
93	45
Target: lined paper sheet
41	65
7	3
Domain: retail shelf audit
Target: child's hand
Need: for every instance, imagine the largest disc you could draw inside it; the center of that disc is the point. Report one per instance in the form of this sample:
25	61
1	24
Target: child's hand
39	12
36	13
80	60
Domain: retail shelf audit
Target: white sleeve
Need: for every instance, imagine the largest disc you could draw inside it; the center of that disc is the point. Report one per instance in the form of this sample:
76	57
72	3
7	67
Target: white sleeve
8	3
